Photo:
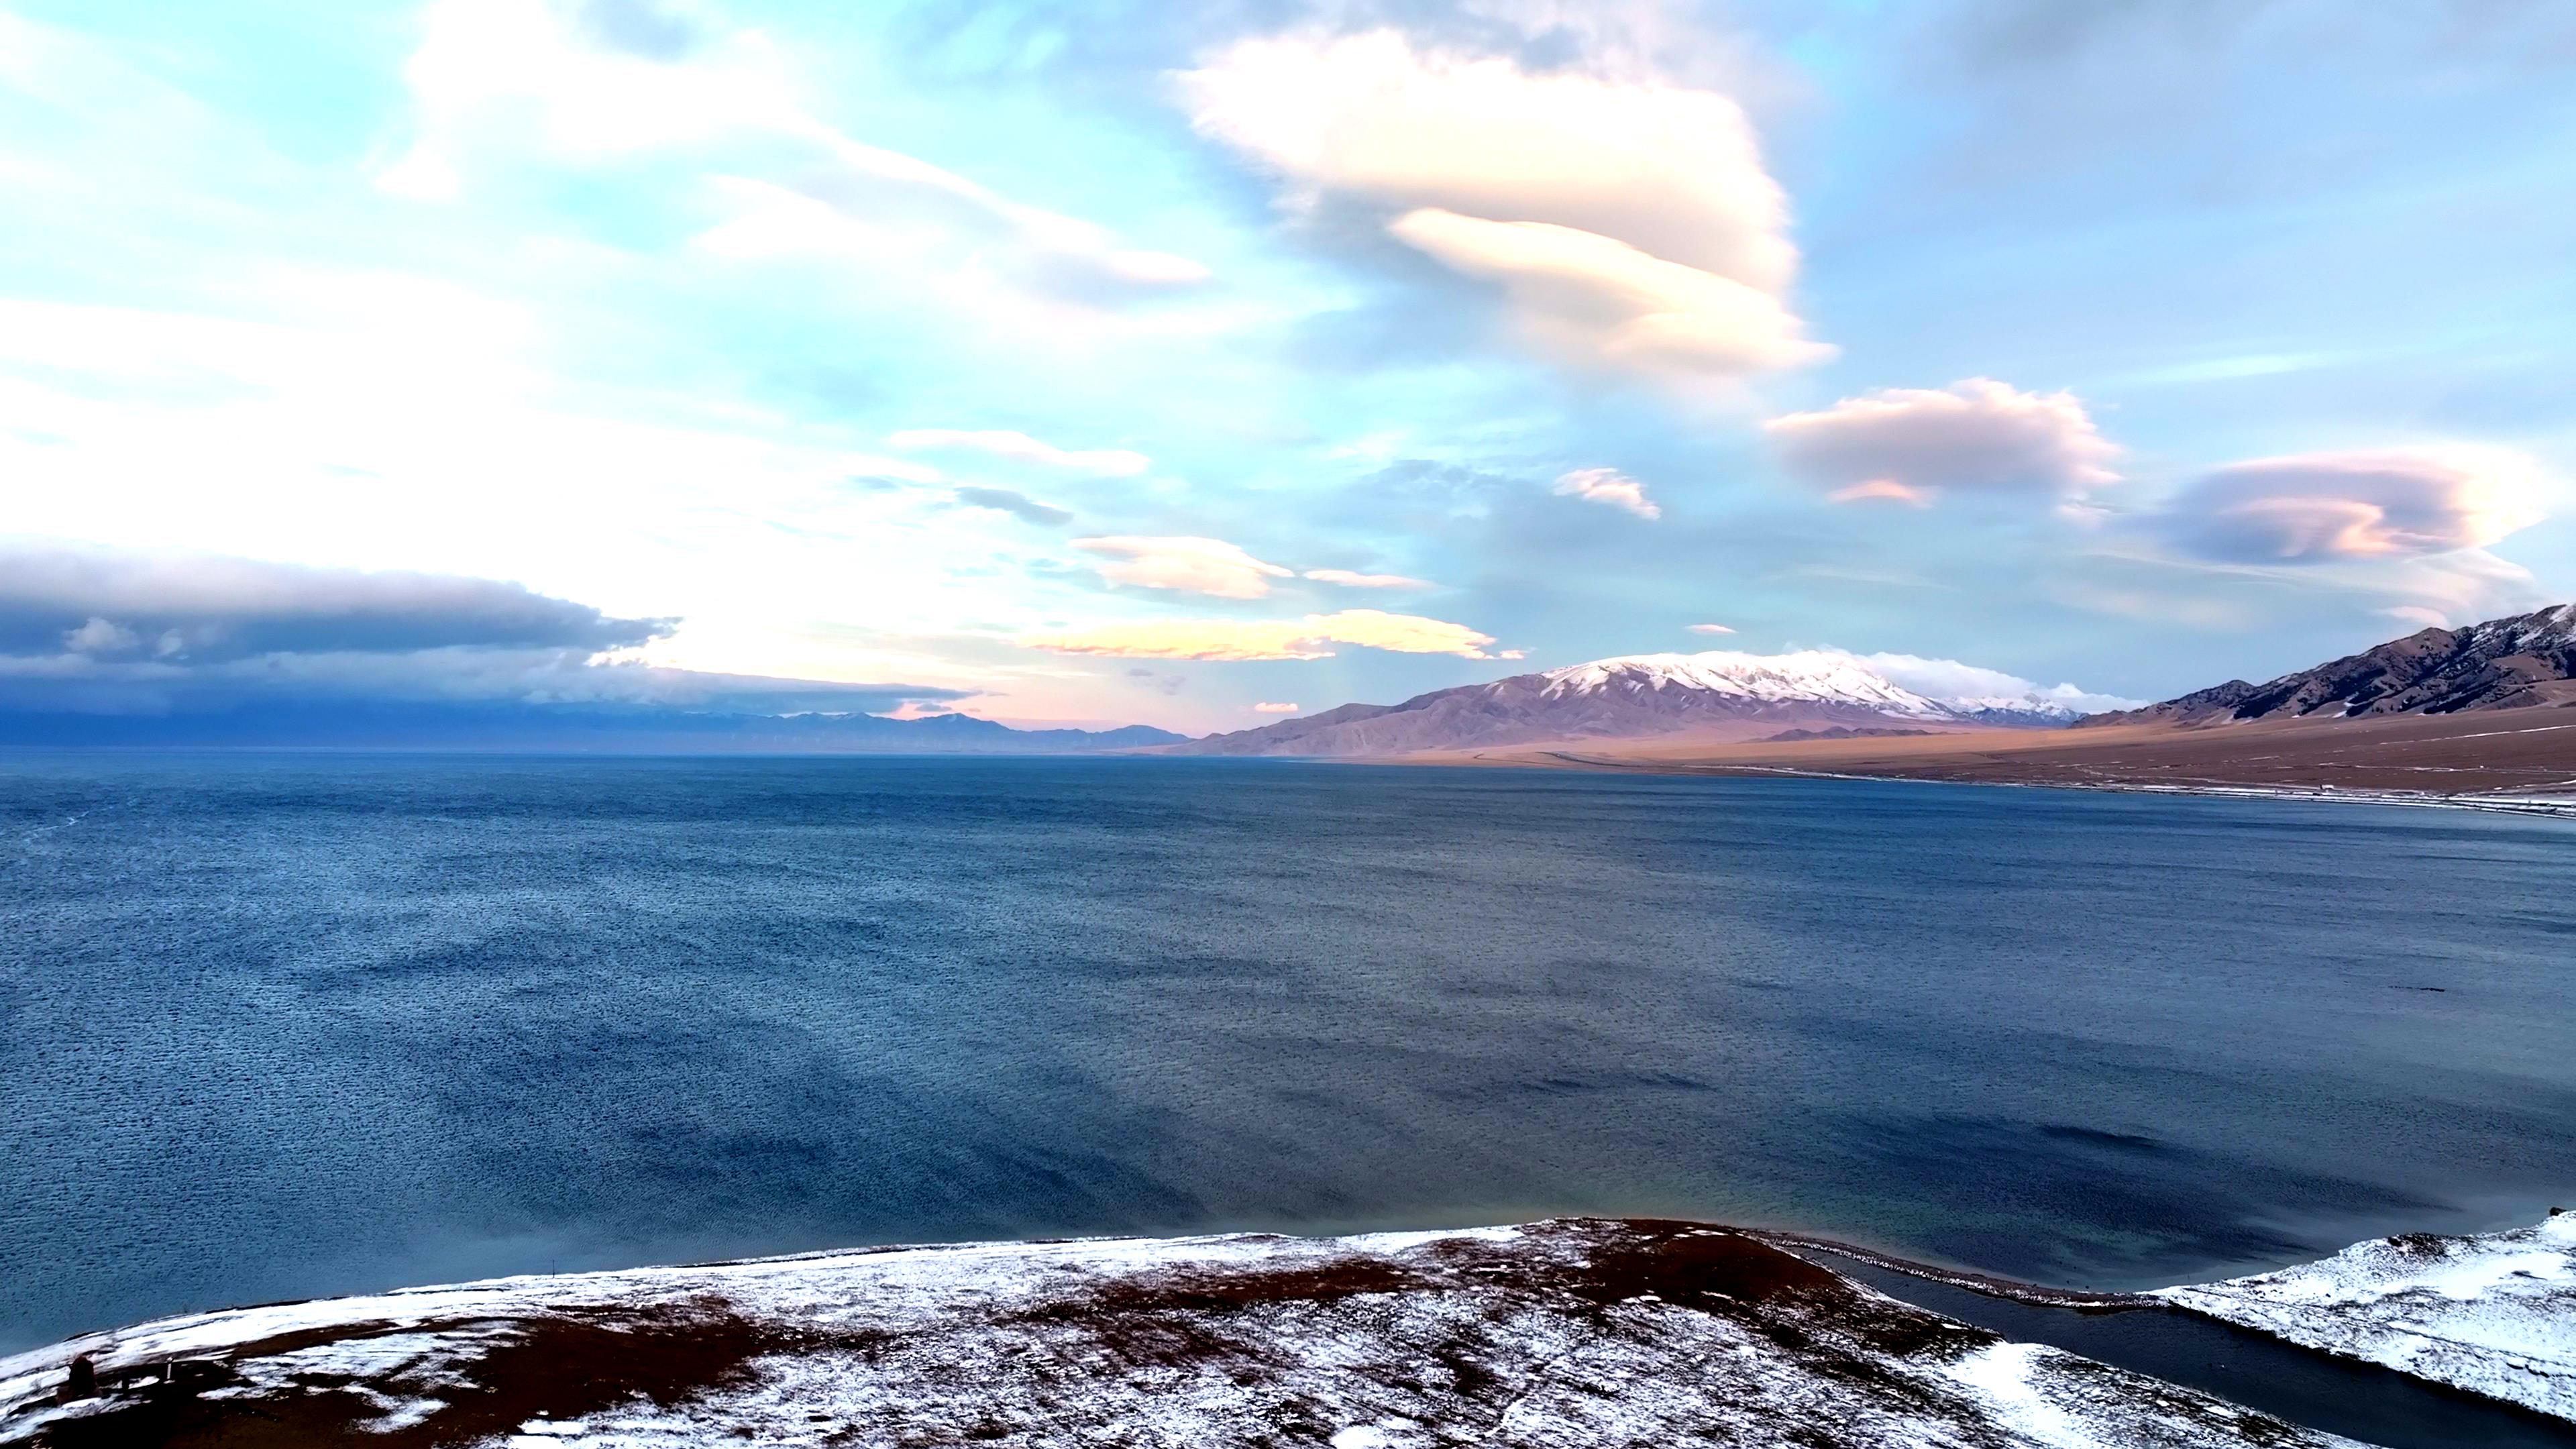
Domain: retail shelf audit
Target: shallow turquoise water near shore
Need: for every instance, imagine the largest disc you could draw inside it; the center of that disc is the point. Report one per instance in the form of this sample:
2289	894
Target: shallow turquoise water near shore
275	1026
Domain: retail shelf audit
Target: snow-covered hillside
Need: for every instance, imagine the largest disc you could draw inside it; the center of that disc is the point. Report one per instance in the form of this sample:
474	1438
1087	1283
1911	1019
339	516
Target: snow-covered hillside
1564	1334
2493	1314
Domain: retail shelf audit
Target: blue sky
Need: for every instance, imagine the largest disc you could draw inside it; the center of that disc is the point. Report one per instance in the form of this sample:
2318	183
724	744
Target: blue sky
1137	362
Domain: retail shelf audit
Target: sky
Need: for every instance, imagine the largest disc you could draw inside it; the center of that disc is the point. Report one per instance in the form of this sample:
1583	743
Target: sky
1189	365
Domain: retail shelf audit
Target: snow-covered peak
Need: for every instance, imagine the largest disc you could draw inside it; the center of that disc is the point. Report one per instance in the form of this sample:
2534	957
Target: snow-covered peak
1807	675
2034	705
2544	629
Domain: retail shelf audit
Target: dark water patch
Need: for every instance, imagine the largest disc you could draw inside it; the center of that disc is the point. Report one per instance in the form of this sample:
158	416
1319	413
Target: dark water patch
2338	1396
2171	1202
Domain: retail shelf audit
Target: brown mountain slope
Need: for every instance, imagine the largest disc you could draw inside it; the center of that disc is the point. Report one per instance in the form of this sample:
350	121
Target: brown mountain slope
2512	663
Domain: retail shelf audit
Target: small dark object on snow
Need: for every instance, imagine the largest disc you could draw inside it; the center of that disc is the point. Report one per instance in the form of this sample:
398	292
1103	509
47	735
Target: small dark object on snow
80	1382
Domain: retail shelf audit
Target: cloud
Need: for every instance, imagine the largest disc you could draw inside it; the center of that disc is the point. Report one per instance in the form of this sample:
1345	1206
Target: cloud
1020	447
1013	502
1593	299
2417	614
2467	586
1193	565
102	632
1710	629
1951	681
1630	223
1909	444
202	609
1882	490
1309	638
2322	507
1610	486
1349	580
1267	707
588	82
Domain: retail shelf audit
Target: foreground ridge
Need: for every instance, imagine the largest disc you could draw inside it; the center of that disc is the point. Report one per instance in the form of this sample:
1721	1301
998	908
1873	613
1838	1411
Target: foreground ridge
1569	1332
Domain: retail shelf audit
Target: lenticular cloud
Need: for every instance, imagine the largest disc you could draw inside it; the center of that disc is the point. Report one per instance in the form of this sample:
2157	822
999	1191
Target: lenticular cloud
1630	225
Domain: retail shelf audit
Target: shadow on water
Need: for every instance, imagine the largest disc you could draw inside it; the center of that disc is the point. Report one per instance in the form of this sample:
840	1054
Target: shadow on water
2338	1396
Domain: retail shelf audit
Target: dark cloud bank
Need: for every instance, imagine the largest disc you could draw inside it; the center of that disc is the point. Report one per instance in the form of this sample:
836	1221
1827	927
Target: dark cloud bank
101	647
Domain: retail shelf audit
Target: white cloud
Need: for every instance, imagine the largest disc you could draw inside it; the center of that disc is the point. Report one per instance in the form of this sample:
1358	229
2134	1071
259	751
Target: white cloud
2467	586
1950	681
1193	565
1610	486
499	80
1595	299
2417	614
1268	707
101	636
1882	490
1349	580
1710	629
1630	222
1020	447
1312	637
2320	507
1909	444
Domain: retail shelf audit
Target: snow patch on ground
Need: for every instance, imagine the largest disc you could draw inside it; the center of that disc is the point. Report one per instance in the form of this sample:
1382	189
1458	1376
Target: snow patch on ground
2494	1314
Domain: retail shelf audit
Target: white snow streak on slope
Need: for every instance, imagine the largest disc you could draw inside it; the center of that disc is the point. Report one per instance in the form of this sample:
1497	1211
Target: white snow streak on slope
2494	1314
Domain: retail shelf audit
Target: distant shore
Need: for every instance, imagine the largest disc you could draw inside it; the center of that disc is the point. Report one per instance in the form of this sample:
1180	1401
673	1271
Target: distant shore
2520	762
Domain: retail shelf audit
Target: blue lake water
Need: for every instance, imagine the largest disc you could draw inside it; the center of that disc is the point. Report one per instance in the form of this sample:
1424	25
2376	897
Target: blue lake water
276	1026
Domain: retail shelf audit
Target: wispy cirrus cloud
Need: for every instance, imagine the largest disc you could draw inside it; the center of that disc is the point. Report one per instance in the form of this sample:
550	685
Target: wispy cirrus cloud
590	82
1349	579
1313	637
1190	565
1021	448
1011	501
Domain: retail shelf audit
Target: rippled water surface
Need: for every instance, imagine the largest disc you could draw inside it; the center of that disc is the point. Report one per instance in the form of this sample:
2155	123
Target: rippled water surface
274	1026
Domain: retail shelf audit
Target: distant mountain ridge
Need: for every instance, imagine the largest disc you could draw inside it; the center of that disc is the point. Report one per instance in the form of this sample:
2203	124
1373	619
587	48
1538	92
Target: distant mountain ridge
545	728
1716	695
2511	663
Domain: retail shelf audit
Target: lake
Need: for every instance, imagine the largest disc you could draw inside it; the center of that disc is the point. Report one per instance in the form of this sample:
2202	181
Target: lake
284	1025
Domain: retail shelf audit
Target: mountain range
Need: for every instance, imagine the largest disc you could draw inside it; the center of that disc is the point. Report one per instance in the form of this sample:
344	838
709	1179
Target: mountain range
1659	701
1716	696
1727	698
2512	663
552	728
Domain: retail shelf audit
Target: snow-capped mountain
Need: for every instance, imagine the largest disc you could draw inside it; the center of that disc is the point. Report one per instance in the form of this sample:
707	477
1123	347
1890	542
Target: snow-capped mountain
1717	696
1815	676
